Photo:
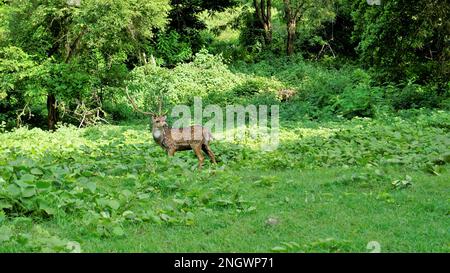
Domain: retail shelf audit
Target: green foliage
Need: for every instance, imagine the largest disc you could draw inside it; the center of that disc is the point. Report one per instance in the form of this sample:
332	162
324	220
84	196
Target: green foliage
404	40
18	74
84	54
359	143
106	178
347	91
37	240
404	183
171	49
184	18
250	33
323	245
77	51
321	92
206	76
337	33
313	19
376	145
415	96
3	26
360	98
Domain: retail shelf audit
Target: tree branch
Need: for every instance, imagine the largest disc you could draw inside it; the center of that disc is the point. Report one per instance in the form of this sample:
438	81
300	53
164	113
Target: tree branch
298	9
71	48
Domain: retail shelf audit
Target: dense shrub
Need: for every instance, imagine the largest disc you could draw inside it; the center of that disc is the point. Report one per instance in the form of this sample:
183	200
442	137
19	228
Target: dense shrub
402	39
414	96
321	92
207	76
170	49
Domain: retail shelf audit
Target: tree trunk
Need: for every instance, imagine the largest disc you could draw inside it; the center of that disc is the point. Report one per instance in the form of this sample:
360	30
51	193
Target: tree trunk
291	28
52	112
268	33
263	11
71	48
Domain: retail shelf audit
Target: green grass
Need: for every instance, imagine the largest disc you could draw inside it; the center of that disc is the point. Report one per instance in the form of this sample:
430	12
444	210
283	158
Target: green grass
327	188
309	207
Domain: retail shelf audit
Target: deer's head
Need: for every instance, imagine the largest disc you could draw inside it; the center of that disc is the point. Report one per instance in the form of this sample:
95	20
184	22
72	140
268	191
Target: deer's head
158	119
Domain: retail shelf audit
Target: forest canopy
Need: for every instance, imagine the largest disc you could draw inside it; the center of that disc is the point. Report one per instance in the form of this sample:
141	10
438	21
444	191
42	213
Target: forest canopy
63	61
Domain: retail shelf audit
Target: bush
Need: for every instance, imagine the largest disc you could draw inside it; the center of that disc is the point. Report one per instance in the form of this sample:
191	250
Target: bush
414	96
118	111
360	100
321	92
206	76
346	91
172	49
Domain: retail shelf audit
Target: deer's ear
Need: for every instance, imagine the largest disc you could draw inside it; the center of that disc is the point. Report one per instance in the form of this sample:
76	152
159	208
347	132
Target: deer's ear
164	118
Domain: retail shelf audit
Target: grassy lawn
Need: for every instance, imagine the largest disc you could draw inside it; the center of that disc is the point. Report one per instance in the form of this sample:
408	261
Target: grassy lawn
327	188
309	208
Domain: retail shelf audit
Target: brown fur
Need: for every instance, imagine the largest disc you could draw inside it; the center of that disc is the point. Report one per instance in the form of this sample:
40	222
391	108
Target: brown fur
286	94
194	138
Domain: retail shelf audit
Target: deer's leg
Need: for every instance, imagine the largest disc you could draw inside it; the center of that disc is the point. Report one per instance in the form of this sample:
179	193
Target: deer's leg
171	152
198	153
207	149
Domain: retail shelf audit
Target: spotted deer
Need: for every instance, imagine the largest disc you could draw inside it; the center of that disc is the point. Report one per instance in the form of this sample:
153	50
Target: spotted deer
194	138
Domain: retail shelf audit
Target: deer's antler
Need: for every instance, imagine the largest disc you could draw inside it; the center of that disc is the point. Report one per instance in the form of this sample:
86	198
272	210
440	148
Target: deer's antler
160	104
135	105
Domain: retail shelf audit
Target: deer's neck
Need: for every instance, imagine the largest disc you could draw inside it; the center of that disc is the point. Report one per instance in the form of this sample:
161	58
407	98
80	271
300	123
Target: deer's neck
160	135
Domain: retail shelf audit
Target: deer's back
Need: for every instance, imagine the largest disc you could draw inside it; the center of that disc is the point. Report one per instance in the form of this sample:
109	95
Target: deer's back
191	135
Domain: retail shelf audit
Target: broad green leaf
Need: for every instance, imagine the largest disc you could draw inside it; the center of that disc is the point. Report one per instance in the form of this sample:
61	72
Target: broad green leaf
143	196
22	184
43	184
27	178
5	204
36	171
2	216
126	193
13	190
5	234
279	249
45	206
165	217
118	231
114	204
92	186
28	192
129	214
